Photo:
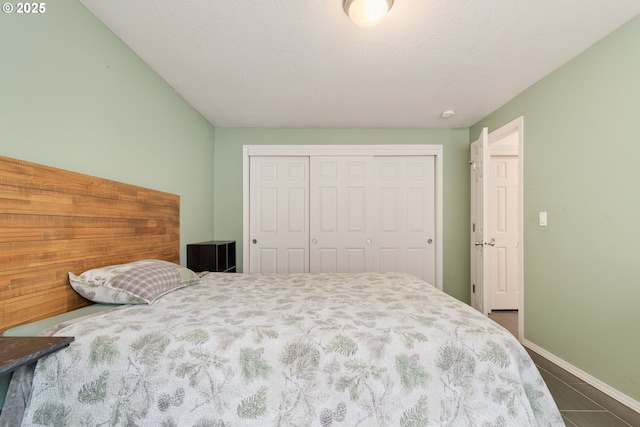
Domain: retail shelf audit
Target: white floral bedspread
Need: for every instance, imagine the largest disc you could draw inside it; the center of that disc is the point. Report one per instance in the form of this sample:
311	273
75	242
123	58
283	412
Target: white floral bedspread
302	350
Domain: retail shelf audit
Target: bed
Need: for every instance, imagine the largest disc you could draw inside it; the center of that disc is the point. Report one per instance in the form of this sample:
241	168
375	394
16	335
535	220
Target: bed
369	349
212	349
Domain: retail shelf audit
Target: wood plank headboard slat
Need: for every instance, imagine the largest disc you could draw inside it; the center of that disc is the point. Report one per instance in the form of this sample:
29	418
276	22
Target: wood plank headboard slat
54	221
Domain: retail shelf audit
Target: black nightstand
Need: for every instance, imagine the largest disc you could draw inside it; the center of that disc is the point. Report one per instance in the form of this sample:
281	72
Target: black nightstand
215	256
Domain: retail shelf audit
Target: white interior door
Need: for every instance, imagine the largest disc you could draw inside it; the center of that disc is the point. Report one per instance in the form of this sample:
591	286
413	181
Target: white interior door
341	202
404	237
503	174
479	217
279	226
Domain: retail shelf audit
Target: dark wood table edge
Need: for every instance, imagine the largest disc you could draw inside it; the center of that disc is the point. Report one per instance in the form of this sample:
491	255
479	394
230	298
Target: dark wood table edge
16	352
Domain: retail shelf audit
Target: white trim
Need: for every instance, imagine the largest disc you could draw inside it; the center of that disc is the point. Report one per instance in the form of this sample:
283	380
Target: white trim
605	388
520	125
349	150
343	150
245	209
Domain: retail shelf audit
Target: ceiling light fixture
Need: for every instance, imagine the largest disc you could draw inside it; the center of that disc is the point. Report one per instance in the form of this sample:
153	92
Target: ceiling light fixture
367	13
447	113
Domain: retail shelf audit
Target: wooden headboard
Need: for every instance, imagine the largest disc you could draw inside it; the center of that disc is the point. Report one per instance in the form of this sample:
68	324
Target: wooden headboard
53	222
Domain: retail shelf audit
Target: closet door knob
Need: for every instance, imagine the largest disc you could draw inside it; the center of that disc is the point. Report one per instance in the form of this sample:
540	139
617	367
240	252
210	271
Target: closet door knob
254	241
369	241
314	241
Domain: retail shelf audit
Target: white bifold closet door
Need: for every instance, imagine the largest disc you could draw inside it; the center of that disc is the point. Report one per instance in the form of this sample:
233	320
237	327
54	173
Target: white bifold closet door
404	206
279	220
343	214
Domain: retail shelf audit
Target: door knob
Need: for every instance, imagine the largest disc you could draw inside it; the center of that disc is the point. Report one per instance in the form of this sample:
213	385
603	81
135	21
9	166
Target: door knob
479	243
369	241
430	241
492	242
254	241
314	241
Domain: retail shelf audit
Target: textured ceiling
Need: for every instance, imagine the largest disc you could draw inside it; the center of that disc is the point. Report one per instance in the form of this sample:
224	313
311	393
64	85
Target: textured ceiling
303	63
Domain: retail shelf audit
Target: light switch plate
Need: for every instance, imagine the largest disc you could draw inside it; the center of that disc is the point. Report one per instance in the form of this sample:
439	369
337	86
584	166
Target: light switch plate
542	219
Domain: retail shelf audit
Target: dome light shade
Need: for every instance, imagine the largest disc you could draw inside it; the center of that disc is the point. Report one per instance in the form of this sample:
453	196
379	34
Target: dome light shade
367	13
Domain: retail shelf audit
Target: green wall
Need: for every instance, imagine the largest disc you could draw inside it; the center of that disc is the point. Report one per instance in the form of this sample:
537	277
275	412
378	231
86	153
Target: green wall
73	96
228	182
581	154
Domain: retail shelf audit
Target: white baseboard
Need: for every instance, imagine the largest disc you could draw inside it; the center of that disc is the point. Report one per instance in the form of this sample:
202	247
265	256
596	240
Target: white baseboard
605	388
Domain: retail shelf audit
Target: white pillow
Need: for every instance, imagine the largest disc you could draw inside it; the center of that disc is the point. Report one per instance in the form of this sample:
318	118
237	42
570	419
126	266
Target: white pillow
139	282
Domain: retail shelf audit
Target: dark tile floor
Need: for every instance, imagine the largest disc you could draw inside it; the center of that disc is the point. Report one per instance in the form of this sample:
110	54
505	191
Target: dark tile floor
580	404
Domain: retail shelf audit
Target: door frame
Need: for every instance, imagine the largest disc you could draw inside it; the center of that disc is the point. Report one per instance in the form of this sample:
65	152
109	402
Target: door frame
435	150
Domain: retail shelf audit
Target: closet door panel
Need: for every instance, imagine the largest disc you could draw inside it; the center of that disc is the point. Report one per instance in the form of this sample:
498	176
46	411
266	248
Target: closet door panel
268	199
388	213
325	260
418	263
388	259
417	201
266	260
296	260
279	220
356	260
297	221
356	211
328	214
405	215
341	201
